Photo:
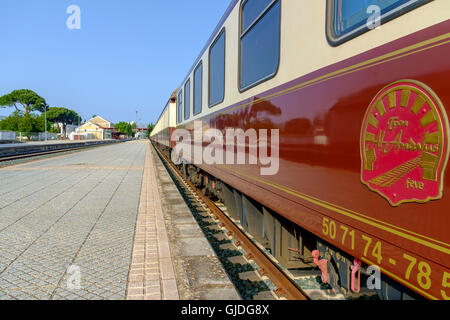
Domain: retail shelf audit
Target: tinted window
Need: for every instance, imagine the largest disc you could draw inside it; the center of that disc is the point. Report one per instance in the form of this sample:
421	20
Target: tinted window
260	46
217	70
180	107
198	84
251	10
350	16
187	99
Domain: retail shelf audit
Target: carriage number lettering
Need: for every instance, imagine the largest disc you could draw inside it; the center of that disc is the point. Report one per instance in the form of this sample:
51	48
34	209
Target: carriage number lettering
347	236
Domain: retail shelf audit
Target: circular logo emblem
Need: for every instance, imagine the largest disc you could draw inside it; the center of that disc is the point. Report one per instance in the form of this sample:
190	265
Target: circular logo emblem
404	144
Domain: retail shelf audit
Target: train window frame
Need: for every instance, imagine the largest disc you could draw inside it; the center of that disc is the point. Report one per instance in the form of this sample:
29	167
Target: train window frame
187	100
180	106
222	31
335	40
243	33
200	64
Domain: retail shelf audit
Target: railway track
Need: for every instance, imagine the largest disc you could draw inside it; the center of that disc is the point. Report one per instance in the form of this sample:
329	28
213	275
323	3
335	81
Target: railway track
270	281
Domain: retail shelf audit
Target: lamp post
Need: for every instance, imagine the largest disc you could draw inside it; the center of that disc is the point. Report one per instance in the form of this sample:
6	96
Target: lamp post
45	121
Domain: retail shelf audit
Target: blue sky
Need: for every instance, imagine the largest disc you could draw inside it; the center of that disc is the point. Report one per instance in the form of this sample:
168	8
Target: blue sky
128	55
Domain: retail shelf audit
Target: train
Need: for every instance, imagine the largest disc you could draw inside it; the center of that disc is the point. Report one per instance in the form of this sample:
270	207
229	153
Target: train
353	99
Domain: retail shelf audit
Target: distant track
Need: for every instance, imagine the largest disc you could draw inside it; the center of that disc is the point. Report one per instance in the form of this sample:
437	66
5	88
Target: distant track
32	154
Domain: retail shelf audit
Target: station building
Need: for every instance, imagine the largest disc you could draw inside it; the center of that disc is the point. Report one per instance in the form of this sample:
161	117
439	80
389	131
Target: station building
96	128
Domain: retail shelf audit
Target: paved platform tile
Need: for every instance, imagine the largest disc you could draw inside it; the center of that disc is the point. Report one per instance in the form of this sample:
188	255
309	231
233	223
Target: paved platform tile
67	224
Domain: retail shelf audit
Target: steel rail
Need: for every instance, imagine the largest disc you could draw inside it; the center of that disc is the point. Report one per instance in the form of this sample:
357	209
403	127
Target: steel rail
285	285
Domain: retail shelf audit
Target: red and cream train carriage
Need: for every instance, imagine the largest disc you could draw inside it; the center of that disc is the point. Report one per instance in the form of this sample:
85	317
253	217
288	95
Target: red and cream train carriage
361	110
166	124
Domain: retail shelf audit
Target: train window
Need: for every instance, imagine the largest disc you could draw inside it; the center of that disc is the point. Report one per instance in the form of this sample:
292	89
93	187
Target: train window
260	41
252	10
187	99
180	107
347	19
217	70
198	88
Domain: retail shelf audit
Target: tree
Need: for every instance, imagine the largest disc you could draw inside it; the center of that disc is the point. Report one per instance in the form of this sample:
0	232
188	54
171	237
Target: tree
26	124
10	123
29	101
124	127
39	124
150	129
64	116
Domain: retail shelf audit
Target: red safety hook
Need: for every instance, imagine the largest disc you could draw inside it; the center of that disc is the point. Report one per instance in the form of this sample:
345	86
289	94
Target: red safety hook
322	264
355	268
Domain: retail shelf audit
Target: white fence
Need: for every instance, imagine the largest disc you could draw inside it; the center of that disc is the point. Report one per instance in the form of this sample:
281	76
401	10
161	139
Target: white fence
27	136
7	136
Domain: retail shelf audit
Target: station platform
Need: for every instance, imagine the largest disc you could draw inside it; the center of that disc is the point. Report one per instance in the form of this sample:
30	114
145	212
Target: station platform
93	225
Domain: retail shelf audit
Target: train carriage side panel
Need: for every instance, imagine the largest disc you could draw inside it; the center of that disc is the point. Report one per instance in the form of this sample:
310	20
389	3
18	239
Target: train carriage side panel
319	100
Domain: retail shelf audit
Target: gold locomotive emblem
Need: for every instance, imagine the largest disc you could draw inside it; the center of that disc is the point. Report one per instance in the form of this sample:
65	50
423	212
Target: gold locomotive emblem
404	144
